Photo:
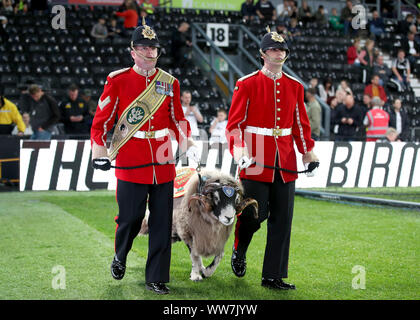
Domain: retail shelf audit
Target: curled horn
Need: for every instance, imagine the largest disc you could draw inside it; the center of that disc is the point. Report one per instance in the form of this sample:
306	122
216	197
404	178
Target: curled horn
245	203
202	201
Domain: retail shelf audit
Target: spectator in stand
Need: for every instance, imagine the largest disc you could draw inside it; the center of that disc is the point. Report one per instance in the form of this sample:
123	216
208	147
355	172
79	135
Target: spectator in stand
305	13
374	89
75	112
326	90
344	85
411	47
99	30
334	20
148	7
333	125
340	95
382	70
391	135
114	30
387	7
9	116
398	119
21	6
28	130
144	16
313	109
313	83
265	11
404	25
366	103
4	34
367	58
281	29
7	6
349	118
181	45
130	16
87	99
401	71
376	25
376	120
294	30
413	29
191	113
282	11
248	11
126	3
218	128
320	17
43	111
353	52
346	17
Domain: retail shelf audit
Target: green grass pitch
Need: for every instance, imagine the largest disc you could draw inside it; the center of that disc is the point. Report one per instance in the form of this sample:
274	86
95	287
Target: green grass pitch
75	230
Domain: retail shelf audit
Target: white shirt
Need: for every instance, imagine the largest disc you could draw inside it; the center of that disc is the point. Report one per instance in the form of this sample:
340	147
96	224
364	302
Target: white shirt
398	122
193	122
412	50
218	135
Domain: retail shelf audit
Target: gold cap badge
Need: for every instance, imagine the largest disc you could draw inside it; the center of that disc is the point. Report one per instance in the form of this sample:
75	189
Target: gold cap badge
274	35
147	31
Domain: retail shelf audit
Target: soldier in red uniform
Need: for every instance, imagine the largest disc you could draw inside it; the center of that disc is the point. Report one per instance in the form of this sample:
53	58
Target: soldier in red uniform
147	102
266	116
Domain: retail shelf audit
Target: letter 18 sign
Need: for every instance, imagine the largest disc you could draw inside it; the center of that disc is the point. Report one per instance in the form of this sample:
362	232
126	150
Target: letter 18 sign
219	33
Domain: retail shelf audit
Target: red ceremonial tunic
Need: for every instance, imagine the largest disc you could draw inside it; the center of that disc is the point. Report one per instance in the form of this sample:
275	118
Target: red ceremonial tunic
260	101
121	88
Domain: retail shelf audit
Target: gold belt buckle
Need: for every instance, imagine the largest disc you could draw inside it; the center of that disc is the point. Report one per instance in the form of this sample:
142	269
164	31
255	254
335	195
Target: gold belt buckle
150	134
277	132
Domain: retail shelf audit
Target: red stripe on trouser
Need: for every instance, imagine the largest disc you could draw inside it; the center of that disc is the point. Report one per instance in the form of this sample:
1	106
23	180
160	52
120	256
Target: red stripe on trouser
115	236
238	223
115	219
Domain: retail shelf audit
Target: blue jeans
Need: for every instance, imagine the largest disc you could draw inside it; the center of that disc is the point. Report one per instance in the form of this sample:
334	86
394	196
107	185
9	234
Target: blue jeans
41	135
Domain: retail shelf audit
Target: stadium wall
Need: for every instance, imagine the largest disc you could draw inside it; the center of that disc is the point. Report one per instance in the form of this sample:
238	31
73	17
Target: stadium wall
66	165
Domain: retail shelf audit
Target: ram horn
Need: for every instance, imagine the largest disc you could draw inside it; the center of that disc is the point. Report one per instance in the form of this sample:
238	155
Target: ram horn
201	199
245	203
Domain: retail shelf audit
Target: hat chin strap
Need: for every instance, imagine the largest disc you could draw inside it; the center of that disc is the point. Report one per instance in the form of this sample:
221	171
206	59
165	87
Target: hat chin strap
272	60
140	55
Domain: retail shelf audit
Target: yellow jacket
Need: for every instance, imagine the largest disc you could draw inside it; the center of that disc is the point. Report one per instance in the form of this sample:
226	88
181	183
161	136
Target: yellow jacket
9	114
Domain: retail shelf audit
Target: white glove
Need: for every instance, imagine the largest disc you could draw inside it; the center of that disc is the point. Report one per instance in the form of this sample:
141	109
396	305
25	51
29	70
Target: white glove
103	163
193	154
308	158
244	162
312	173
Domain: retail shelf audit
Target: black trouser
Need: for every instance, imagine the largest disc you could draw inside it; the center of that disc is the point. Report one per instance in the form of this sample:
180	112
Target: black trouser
275	203
132	200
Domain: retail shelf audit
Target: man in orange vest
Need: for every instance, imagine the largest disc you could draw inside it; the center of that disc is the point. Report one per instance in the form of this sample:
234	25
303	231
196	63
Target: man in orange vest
376	120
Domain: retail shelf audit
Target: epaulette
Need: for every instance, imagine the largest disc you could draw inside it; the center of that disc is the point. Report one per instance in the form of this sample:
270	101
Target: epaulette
248	75
168	74
293	78
117	72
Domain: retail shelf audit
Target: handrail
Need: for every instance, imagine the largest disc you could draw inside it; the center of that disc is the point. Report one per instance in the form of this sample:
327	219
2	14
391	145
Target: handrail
233	69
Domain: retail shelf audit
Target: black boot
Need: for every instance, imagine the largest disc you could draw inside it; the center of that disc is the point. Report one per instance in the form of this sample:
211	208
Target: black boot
117	269
157	287
277	284
238	264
